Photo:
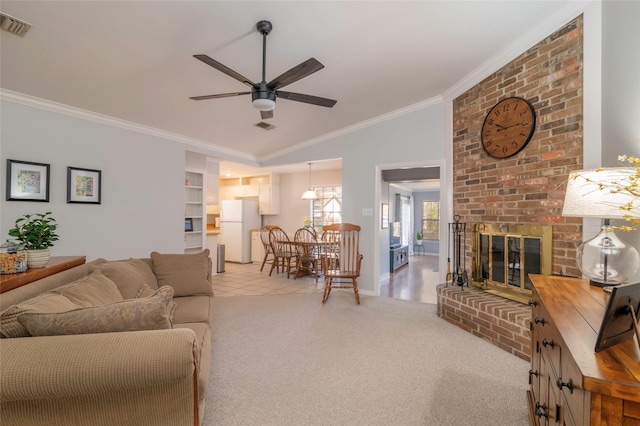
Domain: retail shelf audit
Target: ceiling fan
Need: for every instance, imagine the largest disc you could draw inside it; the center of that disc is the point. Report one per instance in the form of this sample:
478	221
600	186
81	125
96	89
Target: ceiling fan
263	94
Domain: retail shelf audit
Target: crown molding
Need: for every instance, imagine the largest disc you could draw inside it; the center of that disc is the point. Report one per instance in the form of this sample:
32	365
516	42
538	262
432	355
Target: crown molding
355	127
58	108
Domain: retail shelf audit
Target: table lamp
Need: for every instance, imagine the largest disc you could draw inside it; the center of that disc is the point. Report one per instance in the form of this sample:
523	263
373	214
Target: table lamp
605	259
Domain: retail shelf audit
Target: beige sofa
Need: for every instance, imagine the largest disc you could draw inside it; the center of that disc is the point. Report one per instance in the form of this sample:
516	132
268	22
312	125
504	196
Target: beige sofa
109	343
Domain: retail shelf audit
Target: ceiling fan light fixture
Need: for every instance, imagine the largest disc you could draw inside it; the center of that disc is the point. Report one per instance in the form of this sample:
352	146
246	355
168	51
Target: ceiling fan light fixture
264	104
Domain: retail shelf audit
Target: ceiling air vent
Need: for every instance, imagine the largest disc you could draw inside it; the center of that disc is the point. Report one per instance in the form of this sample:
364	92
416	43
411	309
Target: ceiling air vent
265	126
13	25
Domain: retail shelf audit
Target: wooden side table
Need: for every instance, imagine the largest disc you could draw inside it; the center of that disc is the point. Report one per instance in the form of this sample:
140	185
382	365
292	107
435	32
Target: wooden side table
56	264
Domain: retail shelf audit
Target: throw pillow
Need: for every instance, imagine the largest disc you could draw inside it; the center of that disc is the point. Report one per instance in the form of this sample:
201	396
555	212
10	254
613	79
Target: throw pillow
186	273
130	275
148	313
146	291
45	303
91	290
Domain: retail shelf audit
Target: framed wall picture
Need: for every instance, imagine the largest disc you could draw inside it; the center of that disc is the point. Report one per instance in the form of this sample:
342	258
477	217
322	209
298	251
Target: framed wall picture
27	181
188	224
84	186
620	320
384	214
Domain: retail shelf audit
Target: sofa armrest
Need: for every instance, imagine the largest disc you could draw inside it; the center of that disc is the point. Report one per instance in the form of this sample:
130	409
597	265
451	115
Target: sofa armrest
35	368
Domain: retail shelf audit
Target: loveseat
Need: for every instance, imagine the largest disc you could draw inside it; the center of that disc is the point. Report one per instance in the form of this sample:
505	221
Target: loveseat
123	342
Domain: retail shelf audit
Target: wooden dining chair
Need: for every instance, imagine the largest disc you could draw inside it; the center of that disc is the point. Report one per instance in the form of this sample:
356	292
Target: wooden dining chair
284	256
268	251
308	254
341	260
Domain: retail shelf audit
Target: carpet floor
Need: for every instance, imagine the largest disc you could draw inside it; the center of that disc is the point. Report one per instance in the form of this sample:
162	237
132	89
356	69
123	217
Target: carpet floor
290	360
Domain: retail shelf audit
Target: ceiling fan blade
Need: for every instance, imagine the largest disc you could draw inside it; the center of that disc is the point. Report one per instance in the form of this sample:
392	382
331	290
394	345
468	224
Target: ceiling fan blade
222	68
296	73
220	95
309	99
266	114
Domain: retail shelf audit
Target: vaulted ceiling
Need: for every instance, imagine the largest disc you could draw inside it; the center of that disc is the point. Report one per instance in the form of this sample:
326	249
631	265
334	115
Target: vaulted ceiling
134	60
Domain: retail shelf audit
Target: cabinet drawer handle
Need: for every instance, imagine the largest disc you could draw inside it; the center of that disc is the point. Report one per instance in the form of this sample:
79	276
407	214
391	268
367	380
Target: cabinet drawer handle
533	303
568	385
539	320
533	373
546	343
541	410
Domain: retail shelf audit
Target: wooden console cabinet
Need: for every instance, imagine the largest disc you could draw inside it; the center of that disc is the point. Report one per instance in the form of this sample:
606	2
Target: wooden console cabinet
571	384
56	264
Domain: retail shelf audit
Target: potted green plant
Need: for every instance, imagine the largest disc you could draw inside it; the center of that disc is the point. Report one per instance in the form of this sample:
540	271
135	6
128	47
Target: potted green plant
419	238
37	232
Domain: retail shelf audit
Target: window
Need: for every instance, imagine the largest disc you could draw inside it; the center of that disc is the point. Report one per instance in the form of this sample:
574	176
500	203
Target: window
431	220
327	209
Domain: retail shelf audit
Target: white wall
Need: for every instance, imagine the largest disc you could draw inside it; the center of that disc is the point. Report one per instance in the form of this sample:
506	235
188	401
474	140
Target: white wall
415	137
620	80
292	207
142	183
620	91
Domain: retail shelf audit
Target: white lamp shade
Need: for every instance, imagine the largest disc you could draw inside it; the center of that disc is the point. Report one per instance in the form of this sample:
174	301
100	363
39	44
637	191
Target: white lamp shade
264	104
309	195
590	193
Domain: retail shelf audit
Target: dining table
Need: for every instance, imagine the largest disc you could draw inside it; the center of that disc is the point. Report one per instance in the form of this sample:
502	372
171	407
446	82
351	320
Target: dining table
308	247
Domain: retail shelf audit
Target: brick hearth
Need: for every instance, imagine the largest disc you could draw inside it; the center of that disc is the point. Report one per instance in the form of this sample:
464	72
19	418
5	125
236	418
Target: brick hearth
502	322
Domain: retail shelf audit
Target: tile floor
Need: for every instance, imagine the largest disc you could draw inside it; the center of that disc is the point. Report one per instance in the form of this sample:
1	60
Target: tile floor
415	281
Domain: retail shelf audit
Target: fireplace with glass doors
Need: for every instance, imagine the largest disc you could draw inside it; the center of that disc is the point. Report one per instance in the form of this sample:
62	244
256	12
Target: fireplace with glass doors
503	256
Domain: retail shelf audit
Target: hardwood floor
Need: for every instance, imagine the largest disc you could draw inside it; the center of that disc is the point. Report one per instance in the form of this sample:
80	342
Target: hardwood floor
416	281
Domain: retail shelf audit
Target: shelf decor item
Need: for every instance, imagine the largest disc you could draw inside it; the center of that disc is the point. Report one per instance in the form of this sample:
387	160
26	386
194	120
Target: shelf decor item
37	232
606	193
84	186
27	181
13	257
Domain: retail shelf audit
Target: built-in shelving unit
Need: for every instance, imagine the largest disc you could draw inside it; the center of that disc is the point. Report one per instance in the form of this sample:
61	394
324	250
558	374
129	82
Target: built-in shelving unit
194	211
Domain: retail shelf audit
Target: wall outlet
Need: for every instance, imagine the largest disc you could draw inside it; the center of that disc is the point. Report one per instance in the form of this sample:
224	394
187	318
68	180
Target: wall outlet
368	211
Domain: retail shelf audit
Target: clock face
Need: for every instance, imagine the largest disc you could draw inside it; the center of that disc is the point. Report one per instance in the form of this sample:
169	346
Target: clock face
508	127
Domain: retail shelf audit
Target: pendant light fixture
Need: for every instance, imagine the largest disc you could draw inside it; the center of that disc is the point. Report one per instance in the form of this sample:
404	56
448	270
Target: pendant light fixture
309	194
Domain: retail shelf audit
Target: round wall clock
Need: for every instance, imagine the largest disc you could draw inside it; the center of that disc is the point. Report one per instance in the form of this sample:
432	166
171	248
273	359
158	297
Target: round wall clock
508	127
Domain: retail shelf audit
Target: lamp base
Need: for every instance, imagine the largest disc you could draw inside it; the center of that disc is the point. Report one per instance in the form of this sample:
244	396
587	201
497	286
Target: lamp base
606	260
599	283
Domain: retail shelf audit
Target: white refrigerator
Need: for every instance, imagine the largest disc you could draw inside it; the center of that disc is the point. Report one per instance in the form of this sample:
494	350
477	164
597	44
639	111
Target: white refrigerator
237	219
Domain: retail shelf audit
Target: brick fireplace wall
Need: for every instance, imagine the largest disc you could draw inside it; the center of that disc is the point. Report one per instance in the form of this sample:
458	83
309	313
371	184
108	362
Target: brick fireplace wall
529	187
502	322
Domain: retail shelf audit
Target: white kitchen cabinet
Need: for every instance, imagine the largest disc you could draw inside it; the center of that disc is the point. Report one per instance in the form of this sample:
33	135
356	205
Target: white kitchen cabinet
257	249
269	199
245	191
266	188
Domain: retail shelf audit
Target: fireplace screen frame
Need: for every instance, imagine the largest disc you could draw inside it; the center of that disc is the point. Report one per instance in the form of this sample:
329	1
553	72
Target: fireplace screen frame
502	256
